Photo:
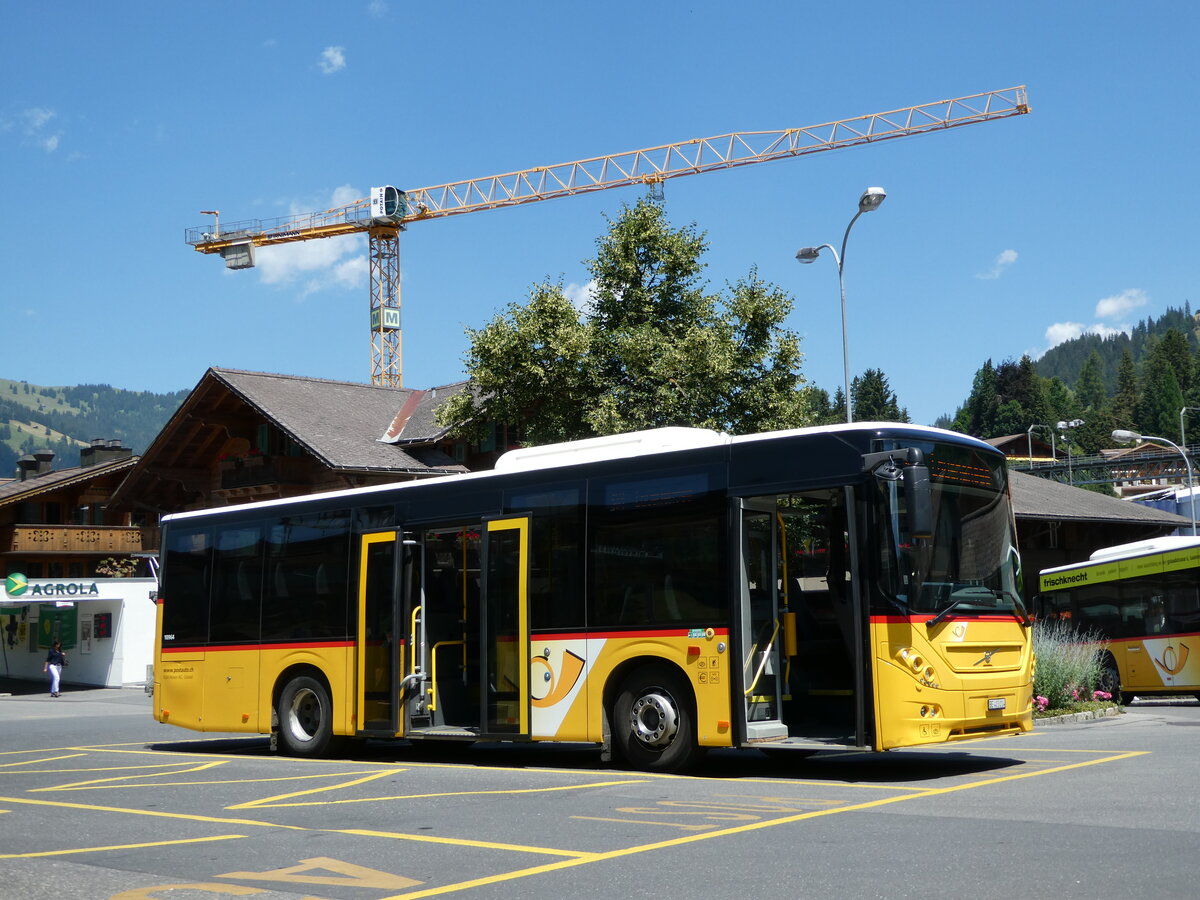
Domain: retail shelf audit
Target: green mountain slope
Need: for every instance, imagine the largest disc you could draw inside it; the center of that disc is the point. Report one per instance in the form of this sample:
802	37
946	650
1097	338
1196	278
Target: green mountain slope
64	419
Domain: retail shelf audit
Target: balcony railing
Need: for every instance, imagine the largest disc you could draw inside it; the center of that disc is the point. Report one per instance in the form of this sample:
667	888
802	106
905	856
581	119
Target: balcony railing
81	539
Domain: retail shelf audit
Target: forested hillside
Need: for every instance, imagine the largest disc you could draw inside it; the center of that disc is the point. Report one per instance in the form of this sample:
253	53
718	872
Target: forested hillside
1066	361
64	419
1140	382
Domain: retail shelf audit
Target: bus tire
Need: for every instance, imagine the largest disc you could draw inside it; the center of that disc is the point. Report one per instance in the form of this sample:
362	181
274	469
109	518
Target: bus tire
1110	680
654	720
305	717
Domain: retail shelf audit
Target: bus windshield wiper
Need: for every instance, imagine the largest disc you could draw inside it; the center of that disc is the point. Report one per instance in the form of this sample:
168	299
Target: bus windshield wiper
970	594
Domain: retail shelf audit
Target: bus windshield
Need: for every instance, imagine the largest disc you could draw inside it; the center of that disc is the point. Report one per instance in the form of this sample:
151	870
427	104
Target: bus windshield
969	564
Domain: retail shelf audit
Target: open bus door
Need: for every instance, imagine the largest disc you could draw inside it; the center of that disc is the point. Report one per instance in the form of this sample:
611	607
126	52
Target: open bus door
803	627
466	597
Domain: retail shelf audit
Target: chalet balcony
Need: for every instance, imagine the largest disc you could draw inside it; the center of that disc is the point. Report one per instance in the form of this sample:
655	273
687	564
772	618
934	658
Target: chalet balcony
101	540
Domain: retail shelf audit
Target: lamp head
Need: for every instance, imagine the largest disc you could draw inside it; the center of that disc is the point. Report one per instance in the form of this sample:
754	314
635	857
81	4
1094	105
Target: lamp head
871	199
1121	436
808	254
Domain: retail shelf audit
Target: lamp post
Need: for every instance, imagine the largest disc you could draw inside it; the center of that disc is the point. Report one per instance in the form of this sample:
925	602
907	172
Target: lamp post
870	200
1029	442
1128	437
1062	427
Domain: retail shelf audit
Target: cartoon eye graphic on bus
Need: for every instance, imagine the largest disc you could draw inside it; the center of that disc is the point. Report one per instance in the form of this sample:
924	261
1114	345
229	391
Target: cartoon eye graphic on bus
546	686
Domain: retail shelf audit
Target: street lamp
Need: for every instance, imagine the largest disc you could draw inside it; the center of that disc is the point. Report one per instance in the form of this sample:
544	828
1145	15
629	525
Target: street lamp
870	200
1029	442
1128	437
1062	428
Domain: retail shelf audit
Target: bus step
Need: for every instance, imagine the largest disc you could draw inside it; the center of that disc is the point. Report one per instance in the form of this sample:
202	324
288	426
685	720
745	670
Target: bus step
806	743
443	731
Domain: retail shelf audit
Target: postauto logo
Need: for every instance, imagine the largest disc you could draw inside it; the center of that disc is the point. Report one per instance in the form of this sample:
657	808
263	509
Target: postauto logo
16	584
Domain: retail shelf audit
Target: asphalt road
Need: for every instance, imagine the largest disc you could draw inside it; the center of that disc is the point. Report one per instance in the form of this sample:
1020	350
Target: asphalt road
99	801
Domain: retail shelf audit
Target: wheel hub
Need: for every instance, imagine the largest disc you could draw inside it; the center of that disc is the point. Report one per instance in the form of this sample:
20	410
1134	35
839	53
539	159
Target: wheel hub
654	720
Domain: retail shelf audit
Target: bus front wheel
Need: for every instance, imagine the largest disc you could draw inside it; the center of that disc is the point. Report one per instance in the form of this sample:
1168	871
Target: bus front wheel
654	725
305	717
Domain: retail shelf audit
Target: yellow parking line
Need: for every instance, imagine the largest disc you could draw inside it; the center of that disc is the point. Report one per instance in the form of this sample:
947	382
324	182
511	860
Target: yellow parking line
218	837
153	813
462	842
34	762
741	829
268	804
270	801
91	783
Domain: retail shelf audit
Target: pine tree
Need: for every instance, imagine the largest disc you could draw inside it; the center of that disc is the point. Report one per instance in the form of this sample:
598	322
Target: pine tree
874	399
1089	389
1125	400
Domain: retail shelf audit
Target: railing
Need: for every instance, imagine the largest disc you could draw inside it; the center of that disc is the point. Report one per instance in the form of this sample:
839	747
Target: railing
89	539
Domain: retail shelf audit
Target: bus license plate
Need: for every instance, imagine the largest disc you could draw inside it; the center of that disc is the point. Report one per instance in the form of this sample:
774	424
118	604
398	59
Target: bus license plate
996	703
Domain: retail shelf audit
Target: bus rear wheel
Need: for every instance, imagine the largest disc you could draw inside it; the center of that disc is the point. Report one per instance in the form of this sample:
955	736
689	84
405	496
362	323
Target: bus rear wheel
654	724
1110	680
305	717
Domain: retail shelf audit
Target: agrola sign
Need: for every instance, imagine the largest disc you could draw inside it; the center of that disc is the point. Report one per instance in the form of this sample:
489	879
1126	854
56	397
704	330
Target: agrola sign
17	585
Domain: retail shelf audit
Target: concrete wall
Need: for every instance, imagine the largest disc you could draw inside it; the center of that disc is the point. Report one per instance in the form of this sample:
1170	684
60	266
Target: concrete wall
114	661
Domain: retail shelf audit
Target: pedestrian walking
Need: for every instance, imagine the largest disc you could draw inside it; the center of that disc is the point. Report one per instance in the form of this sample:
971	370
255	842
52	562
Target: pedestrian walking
56	660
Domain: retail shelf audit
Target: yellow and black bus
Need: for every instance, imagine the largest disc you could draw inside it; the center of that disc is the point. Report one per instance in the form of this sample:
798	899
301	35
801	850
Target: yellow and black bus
654	593
1143	600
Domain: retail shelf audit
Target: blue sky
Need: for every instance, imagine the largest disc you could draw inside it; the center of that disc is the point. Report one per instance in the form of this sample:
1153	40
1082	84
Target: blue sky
120	121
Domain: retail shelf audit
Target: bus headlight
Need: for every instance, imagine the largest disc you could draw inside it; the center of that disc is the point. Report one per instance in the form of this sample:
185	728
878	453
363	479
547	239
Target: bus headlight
921	669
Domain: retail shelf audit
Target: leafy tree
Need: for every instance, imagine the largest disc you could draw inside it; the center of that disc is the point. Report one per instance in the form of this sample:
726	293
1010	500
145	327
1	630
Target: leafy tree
874	399
653	349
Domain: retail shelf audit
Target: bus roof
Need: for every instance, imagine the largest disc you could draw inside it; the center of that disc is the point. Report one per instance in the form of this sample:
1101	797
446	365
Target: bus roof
622	446
1166	544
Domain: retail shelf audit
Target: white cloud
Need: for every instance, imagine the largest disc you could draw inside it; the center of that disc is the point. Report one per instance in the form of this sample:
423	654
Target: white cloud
377	8
1121	303
333	59
1060	332
35	127
1003	261
1063	331
581	296
320	263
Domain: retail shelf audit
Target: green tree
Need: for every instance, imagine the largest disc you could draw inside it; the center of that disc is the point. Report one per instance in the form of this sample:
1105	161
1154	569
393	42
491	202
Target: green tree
653	349
1157	412
1089	389
874	400
1125	401
978	414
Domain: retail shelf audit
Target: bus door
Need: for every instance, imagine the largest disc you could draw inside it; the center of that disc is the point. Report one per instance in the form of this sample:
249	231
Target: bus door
505	646
762	626
803	630
381	648
468	603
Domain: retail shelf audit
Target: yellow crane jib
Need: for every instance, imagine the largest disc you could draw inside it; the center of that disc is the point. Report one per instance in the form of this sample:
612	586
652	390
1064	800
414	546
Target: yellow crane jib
388	210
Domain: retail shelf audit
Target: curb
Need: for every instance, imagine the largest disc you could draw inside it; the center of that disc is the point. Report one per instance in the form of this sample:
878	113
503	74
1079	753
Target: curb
1084	716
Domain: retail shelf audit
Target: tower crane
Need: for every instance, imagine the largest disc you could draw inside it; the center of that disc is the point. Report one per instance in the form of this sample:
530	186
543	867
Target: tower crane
389	211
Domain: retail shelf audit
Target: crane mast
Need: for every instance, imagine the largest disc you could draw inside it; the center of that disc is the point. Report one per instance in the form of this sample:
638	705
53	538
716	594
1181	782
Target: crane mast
387	212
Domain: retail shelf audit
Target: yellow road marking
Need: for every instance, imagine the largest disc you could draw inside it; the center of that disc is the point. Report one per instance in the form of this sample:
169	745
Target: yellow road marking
461	842
218	837
110	783
153	813
645	822
741	829
34	762
269	801
88	785
268	804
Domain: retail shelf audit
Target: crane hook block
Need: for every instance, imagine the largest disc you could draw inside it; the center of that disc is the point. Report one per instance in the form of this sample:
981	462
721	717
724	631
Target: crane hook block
388	204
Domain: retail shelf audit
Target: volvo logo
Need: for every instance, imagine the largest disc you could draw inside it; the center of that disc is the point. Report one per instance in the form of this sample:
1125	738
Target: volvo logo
986	659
